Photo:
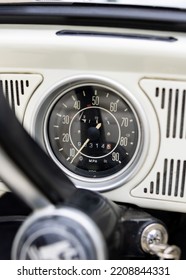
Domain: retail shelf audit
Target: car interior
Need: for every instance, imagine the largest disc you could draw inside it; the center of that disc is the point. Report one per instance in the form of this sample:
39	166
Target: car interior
92	130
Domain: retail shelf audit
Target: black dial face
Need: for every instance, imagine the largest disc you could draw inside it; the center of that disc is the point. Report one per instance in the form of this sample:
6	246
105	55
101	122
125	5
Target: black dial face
93	131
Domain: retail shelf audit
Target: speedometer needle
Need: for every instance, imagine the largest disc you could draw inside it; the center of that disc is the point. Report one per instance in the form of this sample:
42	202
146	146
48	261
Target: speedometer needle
98	125
84	144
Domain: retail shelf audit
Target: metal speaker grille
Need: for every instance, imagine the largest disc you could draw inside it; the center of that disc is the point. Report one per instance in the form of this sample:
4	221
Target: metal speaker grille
170	181
18	88
174	102
13	90
167	179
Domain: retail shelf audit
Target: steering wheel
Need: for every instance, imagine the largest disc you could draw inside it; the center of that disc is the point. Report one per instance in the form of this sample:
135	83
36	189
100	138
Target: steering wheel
69	223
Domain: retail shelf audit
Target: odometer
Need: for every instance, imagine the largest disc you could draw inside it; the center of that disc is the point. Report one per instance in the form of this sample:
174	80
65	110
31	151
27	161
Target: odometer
92	131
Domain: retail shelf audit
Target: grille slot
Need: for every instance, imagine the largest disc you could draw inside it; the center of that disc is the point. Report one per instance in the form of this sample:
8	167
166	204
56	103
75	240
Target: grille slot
183	115
183	180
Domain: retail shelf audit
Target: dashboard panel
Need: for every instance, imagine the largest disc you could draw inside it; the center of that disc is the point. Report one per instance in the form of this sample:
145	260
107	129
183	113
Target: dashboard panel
115	91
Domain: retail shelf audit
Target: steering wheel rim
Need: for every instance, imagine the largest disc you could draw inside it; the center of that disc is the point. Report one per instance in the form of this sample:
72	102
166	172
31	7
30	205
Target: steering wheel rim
44	187
18	147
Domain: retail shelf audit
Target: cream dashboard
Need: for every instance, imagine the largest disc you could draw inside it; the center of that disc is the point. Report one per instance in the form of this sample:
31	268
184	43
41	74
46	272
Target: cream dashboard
106	104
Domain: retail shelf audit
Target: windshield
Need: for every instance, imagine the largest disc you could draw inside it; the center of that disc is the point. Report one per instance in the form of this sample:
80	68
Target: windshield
152	3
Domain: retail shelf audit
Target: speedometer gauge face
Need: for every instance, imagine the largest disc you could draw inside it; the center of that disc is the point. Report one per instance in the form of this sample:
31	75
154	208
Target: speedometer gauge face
93	131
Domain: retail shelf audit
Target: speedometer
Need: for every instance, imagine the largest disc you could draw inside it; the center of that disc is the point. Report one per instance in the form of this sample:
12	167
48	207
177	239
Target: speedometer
92	131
